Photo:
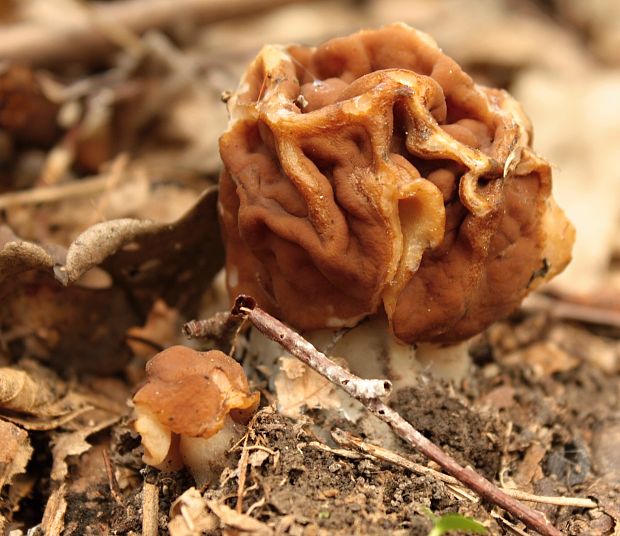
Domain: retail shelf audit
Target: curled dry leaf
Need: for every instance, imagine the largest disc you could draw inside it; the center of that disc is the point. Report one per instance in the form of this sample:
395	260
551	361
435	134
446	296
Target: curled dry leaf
84	329
27	391
15	452
38	399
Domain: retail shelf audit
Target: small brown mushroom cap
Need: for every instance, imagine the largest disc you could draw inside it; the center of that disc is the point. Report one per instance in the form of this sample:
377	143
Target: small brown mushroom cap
192	393
371	172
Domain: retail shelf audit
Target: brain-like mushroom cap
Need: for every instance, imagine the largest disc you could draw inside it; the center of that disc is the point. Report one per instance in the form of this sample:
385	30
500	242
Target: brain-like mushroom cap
191	393
372	172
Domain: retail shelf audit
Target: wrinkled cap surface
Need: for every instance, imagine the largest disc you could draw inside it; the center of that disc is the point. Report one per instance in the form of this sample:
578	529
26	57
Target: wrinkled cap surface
371	172
191	393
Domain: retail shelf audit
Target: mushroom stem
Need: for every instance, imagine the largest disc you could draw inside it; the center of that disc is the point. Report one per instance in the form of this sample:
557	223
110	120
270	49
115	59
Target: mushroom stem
305	352
205	458
191	409
450	362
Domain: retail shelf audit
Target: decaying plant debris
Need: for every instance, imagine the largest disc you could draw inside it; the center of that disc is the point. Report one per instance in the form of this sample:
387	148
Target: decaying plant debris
109	243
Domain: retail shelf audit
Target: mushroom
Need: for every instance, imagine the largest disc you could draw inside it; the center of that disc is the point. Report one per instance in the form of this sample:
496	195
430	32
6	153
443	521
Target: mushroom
371	176
191	409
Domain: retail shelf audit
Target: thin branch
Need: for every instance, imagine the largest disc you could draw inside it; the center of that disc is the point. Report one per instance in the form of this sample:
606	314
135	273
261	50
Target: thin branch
52	194
588	314
349	440
101	26
221	329
357	388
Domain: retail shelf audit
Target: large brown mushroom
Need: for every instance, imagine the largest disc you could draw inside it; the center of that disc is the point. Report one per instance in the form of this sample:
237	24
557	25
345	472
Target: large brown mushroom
372	174
191	409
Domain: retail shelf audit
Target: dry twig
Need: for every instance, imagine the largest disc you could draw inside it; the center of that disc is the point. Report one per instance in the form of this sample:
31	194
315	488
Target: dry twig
96	30
52	194
559	308
150	509
222	329
368	392
343	453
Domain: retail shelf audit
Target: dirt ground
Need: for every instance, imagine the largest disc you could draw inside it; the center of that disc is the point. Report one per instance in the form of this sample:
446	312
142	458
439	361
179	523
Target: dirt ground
552	434
124	127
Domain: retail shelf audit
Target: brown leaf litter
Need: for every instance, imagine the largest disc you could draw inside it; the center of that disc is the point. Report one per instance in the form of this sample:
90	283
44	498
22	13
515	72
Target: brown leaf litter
143	259
133	136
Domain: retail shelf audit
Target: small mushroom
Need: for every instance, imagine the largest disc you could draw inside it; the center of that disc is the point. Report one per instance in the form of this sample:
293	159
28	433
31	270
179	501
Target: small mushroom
371	175
191	409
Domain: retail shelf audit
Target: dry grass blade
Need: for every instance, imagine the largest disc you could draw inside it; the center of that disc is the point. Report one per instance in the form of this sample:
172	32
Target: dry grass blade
112	482
242	469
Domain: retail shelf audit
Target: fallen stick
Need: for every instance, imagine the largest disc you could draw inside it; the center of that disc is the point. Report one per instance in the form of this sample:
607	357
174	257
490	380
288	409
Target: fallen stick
94	29
349	440
221	329
55	193
565	310
357	387
150	509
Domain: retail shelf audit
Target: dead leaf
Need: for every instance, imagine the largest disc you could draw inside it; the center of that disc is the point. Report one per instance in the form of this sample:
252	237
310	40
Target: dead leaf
74	443
15	452
258	457
298	387
162	328
27	391
39	400
242	522
501	397
545	358
598	351
529	470
84	329
189	515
